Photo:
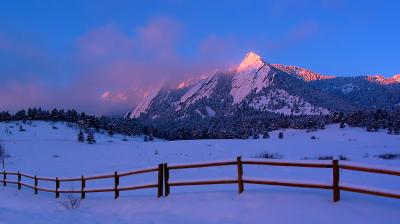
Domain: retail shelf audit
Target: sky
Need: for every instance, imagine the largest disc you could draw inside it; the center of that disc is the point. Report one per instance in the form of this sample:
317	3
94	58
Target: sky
101	56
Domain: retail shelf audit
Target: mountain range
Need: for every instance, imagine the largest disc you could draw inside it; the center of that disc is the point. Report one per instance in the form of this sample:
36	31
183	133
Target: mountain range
257	87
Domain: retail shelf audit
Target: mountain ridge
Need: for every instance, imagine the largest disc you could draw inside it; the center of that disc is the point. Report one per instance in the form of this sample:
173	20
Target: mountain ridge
268	88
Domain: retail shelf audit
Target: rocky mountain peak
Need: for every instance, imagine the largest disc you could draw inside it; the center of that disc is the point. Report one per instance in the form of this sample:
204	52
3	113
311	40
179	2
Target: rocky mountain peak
250	62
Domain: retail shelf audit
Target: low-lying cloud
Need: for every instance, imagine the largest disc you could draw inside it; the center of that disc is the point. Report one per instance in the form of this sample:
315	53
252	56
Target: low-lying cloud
107	70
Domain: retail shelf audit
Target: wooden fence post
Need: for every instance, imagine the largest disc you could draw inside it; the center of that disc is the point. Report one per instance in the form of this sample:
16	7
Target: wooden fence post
57	187
36	184
240	174
116	183
4	178
160	180
336	177
83	185
19	180
166	179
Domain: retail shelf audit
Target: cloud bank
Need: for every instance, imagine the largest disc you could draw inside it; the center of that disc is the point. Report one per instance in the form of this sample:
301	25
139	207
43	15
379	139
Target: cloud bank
107	70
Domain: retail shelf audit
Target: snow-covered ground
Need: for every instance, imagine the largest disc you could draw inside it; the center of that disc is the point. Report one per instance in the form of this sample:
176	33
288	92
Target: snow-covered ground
48	151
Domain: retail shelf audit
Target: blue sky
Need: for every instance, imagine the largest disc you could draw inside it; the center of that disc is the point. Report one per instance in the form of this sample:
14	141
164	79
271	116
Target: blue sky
86	48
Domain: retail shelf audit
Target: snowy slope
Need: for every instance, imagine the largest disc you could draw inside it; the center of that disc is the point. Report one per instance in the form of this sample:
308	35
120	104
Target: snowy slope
145	103
57	153
280	101
253	74
203	89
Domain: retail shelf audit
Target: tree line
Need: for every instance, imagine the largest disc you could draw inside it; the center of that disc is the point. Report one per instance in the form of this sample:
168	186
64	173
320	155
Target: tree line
241	126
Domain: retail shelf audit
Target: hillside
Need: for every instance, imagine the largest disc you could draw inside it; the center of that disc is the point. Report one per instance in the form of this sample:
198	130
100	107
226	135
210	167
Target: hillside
52	149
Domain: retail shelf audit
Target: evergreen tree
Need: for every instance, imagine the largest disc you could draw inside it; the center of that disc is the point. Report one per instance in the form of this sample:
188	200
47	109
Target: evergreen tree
266	135
81	137
110	131
255	135
280	135
90	138
342	124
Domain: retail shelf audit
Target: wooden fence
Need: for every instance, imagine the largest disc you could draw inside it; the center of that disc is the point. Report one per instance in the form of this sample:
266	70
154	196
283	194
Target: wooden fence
164	184
83	180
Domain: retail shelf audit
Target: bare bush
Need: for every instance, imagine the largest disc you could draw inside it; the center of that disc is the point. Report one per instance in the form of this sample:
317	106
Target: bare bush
71	202
267	155
388	156
329	157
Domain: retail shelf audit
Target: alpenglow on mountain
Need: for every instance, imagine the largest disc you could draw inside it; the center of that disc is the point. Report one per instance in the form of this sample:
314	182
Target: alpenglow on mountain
258	87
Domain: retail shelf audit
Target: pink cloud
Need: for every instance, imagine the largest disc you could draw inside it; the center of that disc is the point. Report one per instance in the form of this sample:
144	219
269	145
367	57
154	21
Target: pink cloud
16	96
104	41
112	69
160	31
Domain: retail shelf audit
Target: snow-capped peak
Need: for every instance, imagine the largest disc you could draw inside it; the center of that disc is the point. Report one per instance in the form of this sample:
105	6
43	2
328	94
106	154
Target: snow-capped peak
253	74
250	62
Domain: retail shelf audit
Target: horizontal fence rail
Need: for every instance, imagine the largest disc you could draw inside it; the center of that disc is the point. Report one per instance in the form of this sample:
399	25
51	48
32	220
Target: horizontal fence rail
83	180
163	184
335	186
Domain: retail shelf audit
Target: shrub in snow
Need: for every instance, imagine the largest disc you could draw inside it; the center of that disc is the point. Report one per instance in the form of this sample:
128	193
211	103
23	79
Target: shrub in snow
151	138
280	135
21	128
54	127
146	138
329	157
325	158
389	156
267	155
313	137
71	202
266	135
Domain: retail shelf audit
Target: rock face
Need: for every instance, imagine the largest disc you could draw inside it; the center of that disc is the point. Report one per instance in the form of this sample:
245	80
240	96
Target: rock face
258	87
